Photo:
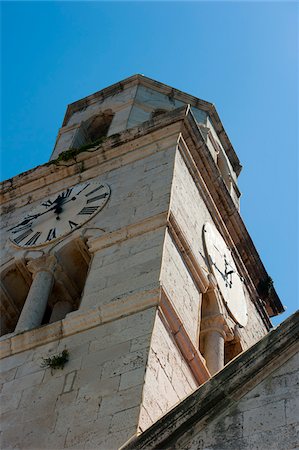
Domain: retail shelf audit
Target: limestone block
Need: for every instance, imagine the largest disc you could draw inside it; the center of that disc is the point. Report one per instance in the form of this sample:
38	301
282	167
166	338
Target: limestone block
82	412
179	285
85	432
40	399
10	400
132	378
145	420
120	120
140	342
150	402
126	363
121	401
28	368
124	419
292	410
154	99
131	329
168	378
24	382
263	419
113	440
14	361
102	387
98	358
278	438
137	116
188	207
8	375
98	434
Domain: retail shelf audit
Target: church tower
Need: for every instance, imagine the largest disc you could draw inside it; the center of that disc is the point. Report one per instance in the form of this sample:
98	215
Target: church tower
128	277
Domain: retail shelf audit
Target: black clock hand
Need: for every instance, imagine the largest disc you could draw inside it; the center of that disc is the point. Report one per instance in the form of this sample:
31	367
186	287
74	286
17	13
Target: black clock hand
61	201
32	217
57	208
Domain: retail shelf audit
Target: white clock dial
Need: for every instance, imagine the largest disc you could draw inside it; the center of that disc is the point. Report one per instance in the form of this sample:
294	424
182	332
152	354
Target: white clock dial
224	269
60	214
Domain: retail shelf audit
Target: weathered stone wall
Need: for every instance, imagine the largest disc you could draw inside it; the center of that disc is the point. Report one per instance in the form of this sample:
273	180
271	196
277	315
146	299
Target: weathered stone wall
168	378
180	288
191	213
265	418
120	104
122	371
93	402
124	268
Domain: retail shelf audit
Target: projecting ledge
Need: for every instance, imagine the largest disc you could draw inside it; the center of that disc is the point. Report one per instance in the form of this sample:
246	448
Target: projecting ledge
79	321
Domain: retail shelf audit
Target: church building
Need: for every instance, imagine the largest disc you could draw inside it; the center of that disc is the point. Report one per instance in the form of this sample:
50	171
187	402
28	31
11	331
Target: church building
135	309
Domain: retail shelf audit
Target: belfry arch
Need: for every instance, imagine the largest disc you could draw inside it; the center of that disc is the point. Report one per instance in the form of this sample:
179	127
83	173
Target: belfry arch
44	289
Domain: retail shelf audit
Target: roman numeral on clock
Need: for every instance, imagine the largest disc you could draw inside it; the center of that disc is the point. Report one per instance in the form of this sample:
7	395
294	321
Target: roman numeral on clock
51	234
67	193
72	224
83	189
33	239
23	236
88	210
22	228
98	197
47	203
94	190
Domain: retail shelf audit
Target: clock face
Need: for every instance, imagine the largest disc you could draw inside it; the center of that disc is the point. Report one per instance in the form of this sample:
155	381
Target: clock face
60	214
224	269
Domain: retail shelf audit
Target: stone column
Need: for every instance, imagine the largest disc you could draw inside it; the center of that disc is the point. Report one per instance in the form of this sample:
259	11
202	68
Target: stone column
213	333
60	310
38	295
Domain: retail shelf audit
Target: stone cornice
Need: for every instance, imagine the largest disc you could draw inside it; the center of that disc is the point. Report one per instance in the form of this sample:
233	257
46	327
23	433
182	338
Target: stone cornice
115	150
123	149
47	263
128	232
79	321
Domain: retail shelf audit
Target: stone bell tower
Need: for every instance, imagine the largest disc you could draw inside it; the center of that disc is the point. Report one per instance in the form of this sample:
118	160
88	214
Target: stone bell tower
128	277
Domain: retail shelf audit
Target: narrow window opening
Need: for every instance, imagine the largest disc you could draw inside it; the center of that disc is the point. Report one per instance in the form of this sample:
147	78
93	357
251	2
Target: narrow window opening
65	295
94	130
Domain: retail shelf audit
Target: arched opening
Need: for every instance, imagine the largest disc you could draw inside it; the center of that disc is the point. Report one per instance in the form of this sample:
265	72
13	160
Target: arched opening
70	279
15	284
93	130
64	294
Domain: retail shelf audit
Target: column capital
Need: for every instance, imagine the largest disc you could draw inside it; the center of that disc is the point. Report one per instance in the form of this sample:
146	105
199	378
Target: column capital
215	323
46	263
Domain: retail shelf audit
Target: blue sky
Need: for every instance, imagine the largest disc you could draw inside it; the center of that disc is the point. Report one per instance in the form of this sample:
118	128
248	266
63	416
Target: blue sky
242	56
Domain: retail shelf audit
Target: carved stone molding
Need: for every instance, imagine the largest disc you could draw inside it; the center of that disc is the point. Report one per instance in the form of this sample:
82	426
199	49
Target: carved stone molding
47	263
217	323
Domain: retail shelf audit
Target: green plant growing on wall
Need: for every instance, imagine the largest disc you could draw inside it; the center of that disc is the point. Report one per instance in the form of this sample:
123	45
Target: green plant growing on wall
71	153
56	361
